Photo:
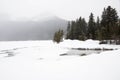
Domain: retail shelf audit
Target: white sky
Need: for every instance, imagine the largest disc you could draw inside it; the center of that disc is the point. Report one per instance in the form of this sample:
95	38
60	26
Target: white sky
66	9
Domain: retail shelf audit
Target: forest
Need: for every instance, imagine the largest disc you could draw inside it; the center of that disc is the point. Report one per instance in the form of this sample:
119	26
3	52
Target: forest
105	28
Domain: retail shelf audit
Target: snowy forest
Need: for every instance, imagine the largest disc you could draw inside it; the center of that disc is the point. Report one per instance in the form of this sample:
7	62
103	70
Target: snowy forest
105	28
60	40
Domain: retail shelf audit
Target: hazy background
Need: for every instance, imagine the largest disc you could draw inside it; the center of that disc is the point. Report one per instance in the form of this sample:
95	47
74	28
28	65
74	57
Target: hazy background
39	19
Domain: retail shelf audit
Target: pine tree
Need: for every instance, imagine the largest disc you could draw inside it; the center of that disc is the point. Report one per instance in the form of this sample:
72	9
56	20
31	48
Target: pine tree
109	20
72	30
58	36
68	31
98	30
83	29
119	27
118	35
91	27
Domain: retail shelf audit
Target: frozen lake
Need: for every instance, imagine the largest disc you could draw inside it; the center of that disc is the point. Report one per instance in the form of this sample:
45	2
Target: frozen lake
45	60
75	52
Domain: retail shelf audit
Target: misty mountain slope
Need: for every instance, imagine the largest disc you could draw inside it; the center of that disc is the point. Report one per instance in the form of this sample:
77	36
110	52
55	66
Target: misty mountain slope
31	30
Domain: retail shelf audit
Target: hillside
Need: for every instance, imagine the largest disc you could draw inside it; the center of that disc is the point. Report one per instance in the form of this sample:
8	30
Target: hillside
40	29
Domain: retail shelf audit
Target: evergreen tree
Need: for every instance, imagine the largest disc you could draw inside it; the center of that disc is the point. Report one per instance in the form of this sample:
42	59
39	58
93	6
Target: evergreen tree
91	27
119	27
98	34
109	20
68	31
83	29
72	30
58	36
118	32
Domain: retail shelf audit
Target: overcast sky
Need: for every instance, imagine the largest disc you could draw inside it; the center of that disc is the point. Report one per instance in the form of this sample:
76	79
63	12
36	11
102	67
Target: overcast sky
66	9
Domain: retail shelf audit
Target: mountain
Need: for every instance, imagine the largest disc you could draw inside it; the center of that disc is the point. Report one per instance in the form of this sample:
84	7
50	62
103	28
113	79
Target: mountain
35	29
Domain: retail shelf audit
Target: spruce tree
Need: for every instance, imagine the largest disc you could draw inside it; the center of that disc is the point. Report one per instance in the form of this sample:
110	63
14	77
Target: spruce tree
109	20
118	32
98	30
83	30
58	36
68	31
91	27
72	31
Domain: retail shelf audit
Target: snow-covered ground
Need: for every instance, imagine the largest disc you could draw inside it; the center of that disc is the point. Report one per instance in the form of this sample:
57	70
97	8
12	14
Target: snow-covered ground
41	60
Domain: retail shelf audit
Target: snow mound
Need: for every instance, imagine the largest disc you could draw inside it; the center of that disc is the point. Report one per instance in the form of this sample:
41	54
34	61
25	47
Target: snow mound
90	44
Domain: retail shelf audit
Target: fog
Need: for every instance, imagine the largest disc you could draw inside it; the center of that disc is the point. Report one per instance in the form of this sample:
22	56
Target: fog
30	30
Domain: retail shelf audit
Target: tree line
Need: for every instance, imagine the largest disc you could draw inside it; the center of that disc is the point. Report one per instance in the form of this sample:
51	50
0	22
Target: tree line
104	28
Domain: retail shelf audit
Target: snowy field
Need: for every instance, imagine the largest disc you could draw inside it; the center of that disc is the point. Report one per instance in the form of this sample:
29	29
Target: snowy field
41	60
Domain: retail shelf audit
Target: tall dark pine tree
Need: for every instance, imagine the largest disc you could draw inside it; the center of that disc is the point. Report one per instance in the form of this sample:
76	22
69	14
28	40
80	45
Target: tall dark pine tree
72	30
91	27
78	27
119	31
108	23
98	34
68	31
98	23
119	26
83	30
